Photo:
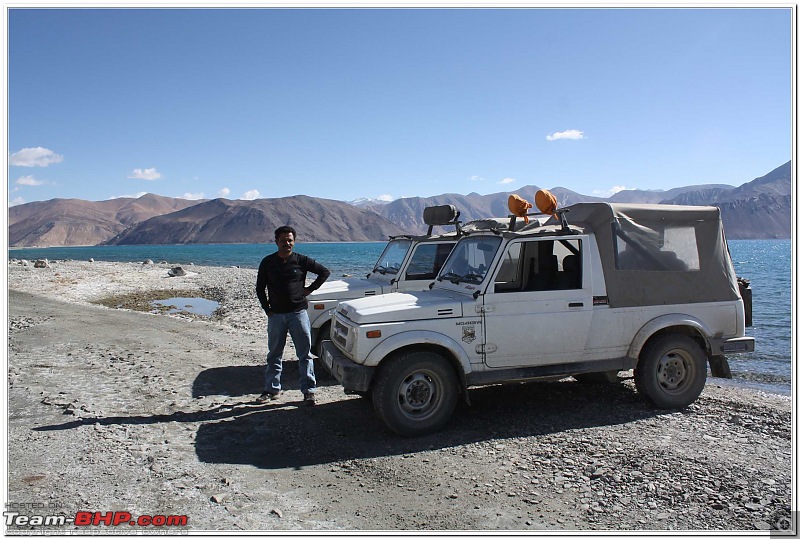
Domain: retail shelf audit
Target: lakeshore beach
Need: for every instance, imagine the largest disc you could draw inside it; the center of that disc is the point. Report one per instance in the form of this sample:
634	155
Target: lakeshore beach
117	404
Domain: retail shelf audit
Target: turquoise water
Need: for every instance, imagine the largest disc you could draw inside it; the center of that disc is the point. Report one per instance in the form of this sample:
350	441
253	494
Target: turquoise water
351	258
767	264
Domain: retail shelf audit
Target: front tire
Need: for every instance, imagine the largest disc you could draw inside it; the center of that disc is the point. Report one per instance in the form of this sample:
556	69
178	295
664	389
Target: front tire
320	369
671	372
323	335
415	393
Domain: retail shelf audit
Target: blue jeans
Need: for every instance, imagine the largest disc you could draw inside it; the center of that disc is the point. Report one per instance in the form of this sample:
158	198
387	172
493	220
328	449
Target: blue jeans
298	326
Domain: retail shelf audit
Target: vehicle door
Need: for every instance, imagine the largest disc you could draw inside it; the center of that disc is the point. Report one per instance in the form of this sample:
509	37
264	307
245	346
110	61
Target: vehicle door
537	309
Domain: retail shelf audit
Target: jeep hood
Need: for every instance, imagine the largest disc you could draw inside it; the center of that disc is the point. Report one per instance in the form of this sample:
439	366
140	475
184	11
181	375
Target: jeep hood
347	288
399	307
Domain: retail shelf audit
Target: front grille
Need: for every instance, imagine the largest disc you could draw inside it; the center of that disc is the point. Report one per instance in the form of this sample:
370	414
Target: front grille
339	334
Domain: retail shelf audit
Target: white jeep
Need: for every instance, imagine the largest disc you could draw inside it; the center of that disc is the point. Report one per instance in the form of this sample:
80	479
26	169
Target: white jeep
645	287
407	263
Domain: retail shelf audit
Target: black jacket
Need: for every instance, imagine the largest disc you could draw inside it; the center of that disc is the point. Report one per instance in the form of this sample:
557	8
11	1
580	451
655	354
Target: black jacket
284	282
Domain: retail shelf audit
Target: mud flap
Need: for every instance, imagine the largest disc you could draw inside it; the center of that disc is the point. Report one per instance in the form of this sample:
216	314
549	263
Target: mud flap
747	297
464	387
719	367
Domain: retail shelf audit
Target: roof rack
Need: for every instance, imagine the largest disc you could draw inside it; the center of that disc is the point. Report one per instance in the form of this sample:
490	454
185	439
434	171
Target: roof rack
436	216
513	225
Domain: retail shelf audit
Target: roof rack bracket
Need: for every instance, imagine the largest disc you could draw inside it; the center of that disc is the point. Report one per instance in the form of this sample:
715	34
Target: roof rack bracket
562	216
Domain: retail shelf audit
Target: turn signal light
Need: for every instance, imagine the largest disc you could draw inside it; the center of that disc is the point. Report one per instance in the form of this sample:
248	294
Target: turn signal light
319	307
374	334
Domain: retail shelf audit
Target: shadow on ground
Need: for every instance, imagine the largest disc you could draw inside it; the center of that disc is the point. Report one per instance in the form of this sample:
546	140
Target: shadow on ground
238	381
286	434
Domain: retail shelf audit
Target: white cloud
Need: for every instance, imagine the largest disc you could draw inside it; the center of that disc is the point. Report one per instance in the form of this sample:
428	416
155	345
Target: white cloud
144	174
385	198
506	181
224	192
571	134
29	180
192	196
251	195
476	178
613	191
16	202
34	157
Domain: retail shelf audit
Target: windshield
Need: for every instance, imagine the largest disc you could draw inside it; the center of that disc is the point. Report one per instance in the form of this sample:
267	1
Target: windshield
392	257
470	260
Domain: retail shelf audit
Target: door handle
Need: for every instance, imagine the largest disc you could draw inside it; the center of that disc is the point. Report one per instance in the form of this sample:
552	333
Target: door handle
576	304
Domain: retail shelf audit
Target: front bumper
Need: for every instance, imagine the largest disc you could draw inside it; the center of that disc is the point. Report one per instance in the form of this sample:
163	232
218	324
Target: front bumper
352	376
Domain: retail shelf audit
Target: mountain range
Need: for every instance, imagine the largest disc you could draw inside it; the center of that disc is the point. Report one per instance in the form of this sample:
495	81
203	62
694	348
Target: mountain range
757	209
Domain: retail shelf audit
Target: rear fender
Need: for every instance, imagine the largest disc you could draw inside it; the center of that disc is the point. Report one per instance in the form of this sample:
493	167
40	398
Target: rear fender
663	322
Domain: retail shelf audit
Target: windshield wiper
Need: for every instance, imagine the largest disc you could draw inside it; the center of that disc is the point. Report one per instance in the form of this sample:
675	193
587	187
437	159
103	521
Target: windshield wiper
453	277
381	269
473	277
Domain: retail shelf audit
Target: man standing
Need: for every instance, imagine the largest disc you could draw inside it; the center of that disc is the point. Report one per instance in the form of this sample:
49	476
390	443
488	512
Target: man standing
283	274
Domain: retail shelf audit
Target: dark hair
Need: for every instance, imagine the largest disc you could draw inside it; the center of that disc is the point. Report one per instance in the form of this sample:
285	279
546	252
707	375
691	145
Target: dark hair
285	229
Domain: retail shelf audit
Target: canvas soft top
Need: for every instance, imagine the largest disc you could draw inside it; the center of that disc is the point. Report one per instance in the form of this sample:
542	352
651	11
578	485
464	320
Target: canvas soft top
654	254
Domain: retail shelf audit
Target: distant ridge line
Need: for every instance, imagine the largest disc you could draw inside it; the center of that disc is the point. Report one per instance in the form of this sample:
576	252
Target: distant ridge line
758	209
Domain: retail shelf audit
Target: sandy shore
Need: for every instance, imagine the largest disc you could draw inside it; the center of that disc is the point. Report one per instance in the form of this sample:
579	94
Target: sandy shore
153	414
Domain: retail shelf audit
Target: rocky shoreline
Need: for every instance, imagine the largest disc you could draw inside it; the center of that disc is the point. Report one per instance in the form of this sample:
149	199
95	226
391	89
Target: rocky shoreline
134	284
150	413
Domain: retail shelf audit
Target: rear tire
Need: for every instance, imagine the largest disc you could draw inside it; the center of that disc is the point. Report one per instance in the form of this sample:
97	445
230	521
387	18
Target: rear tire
415	393
671	372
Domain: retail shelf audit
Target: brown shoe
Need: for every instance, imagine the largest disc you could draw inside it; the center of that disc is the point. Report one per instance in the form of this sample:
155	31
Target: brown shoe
267	396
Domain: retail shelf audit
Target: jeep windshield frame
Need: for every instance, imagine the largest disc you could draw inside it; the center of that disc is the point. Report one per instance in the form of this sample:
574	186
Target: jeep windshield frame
470	261
391	260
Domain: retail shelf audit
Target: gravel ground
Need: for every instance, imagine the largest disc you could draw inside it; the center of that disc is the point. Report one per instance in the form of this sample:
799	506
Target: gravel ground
154	414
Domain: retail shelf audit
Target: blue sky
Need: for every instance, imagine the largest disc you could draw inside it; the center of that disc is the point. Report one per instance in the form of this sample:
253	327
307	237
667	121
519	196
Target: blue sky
350	103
